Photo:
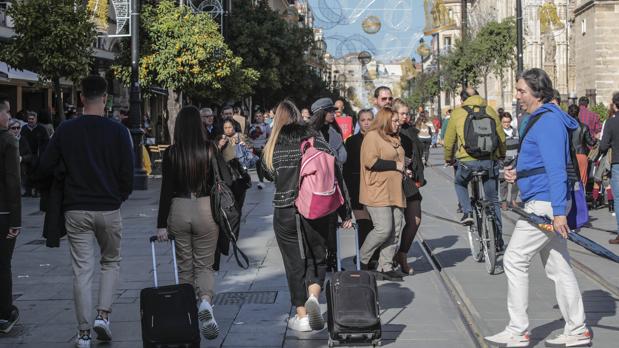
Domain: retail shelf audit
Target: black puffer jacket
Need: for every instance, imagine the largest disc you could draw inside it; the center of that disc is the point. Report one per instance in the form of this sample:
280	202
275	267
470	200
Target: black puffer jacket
286	161
582	140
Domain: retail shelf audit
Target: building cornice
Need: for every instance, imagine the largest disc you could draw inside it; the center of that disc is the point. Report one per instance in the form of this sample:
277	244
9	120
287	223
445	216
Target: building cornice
590	4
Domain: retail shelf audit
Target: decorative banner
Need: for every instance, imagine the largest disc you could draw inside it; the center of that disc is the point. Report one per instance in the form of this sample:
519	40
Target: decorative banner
437	17
117	24
549	18
122	12
371	25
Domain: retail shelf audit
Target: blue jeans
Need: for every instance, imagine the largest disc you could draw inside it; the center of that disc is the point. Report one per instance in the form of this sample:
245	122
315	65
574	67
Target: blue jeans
614	184
464	176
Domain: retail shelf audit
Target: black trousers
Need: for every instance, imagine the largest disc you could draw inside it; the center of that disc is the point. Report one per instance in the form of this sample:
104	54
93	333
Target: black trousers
6	280
301	272
259	166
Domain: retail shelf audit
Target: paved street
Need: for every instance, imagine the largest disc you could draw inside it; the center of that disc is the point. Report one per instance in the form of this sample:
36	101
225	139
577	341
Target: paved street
252	306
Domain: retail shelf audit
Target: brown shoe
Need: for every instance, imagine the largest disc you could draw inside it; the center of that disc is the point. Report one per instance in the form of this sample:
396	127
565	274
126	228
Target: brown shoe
614	241
401	259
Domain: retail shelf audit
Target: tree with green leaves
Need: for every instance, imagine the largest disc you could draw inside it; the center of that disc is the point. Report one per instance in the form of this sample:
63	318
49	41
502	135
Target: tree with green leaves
279	50
52	38
423	89
185	52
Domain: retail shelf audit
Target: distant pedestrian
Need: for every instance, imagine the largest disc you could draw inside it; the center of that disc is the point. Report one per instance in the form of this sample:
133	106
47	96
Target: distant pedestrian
281	159
259	134
25	155
582	141
345	122
208	122
610	140
508	191
589	118
425	135
10	218
185	211
241	181
352	174
436	123
37	138
382	97
382	170
413	150
542	174
241	119
97	155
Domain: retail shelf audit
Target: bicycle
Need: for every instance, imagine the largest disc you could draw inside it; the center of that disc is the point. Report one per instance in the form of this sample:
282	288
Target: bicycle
483	231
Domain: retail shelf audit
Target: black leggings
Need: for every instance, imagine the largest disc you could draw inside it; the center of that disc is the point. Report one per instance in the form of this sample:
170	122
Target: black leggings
300	272
426	148
413	211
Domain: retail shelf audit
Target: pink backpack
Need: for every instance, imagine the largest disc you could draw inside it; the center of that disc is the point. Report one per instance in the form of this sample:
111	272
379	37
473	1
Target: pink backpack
319	192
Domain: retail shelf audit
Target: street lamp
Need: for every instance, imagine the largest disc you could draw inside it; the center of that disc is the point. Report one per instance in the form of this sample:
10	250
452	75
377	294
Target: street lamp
423	51
140	179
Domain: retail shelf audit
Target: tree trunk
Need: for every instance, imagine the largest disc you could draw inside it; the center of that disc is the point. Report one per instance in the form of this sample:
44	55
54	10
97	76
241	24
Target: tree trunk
175	100
59	103
486	87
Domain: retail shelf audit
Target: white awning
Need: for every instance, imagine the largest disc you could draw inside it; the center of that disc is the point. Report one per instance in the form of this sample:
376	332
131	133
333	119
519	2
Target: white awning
9	73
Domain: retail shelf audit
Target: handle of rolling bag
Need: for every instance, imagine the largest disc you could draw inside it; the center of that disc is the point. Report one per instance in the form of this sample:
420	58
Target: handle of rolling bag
339	258
152	240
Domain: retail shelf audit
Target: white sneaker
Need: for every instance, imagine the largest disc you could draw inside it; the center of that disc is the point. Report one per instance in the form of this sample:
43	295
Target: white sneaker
82	341
574	340
260	186
102	328
299	324
508	339
208	325
316	322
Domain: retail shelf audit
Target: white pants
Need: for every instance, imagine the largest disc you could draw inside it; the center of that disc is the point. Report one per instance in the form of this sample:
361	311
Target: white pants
524	244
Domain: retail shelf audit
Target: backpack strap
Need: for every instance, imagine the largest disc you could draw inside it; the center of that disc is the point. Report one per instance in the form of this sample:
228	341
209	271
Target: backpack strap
528	127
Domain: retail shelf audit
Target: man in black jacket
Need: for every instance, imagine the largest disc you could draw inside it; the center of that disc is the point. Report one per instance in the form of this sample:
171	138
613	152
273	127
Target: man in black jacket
610	139
97	155
10	217
37	138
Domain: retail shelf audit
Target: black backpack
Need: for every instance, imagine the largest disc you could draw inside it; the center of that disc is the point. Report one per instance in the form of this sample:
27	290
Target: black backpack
480	134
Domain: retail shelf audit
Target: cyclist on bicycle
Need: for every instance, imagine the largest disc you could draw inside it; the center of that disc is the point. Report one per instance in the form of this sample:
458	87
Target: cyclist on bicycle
475	139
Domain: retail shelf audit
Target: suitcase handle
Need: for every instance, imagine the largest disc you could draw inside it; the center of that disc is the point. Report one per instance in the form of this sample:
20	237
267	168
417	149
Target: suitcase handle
152	240
338	247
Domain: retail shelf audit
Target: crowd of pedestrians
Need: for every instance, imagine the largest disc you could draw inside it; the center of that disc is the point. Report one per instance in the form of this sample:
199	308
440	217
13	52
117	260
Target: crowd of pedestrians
85	168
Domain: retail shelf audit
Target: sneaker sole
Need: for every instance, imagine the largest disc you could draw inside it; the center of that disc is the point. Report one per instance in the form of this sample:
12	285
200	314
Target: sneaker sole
205	315
102	333
316	320
210	329
10	327
495	344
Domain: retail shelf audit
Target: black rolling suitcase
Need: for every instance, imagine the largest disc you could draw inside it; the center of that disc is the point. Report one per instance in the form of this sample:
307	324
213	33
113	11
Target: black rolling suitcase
353	314
169	313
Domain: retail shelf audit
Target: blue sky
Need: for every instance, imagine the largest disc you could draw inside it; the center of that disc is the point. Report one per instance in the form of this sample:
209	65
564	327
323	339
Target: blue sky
402	23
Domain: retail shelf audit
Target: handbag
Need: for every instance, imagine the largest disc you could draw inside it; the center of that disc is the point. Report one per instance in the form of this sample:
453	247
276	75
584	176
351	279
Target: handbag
409	187
578	215
225	214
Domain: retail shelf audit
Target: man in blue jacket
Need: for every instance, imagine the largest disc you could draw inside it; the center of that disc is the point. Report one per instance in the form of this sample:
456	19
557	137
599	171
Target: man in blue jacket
541	171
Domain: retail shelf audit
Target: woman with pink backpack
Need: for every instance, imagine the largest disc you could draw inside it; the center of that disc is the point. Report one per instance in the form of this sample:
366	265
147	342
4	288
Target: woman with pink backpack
303	249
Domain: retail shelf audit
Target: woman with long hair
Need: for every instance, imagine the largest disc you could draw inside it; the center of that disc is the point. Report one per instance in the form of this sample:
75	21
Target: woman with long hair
323	120
413	150
425	135
382	170
352	173
281	158
185	210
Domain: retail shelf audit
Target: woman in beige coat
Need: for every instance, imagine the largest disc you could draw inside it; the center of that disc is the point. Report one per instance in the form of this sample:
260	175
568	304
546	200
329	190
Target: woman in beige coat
382	167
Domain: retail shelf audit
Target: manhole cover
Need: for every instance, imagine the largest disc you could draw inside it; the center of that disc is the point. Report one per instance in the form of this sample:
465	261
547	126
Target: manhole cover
256	297
36	242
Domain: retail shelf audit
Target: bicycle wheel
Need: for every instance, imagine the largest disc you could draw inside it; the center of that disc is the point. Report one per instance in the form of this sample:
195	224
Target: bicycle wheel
474	238
488	241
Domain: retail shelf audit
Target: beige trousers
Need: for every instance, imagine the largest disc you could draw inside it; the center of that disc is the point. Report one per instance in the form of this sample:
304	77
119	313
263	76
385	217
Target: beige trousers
83	228
191	223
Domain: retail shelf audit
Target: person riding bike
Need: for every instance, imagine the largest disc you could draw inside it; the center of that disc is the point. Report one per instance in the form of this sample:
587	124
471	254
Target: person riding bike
475	139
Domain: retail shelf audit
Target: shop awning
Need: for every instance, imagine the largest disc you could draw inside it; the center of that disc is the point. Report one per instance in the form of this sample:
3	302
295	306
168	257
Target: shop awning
9	73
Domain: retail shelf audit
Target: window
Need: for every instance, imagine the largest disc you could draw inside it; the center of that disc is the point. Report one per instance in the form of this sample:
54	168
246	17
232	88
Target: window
583	26
447	42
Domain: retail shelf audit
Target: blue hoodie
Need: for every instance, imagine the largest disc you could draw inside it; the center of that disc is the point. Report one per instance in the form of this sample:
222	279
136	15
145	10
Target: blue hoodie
547	145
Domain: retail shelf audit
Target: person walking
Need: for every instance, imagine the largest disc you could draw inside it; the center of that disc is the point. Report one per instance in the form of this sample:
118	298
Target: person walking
436	123
10	218
37	138
542	175
582	140
281	159
259	134
352	174
413	150
509	191
610	140
589	118
425	135
97	155
185	211
382	170
323	121
25	155
228	144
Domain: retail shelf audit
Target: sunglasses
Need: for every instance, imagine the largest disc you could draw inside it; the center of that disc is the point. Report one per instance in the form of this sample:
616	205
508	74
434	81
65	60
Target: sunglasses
16	127
387	98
